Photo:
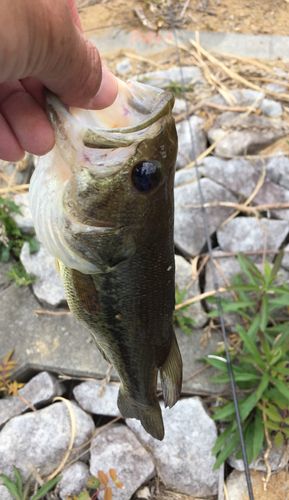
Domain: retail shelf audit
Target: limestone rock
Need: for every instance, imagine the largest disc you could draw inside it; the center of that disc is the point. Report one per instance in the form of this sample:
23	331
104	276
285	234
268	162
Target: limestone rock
241	178
183	278
179	106
90	397
163	78
189	227
247	234
249	136
185	147
24	221
4	493
276	87
244	97
271	108
277	170
48	287
73	480
184	457
238	490
118	448
285	261
41	439
277	460
123	66
39	390
186	176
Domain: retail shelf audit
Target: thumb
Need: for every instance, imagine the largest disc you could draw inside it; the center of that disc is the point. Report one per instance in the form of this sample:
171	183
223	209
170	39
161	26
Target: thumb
84	81
56	52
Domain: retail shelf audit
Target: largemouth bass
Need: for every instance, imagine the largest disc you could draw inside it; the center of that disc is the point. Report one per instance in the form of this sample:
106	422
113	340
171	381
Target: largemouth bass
102	204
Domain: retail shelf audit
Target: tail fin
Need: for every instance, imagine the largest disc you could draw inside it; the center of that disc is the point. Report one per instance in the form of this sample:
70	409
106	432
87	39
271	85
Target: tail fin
150	416
171	374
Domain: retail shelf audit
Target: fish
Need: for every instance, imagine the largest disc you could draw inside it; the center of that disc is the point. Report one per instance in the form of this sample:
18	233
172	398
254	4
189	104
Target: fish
102	203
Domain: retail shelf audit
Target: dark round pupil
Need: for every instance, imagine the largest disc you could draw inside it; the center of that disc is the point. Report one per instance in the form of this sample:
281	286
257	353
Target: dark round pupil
146	175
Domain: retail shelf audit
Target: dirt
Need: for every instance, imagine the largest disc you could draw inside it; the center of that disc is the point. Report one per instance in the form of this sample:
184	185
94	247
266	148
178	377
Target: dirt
231	16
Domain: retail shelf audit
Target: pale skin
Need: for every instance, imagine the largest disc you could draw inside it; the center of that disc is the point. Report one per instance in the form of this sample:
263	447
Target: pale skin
42	45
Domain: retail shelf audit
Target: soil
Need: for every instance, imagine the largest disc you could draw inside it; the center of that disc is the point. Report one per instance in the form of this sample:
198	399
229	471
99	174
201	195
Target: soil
230	16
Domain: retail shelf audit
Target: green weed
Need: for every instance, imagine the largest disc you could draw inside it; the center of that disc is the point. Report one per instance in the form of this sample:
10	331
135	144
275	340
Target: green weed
11	237
20	492
260	360
179	318
18	274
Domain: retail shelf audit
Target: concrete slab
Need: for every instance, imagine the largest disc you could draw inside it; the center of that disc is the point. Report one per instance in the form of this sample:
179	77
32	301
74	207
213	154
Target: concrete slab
257	46
58	343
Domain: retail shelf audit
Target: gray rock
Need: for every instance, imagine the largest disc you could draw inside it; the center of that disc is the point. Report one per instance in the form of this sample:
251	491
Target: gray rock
179	106
48	287
163	78
192	348
238	489
251	135
4	493
186	176
24	221
118	448
237	174
277	460
185	148
285	261
123	66
189	227
39	390
73	480
20	176
276	87
245	97
184	457
91	397
247	234
183	278
41	439
277	170
230	267
241	178
271	108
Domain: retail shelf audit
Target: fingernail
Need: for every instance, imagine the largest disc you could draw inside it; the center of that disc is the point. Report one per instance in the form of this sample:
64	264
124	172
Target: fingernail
107	92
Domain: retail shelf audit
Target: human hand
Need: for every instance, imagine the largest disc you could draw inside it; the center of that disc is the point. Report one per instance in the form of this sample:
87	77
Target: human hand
42	44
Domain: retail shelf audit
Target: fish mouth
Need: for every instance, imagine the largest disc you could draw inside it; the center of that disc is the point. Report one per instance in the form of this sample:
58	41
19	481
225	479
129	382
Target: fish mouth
136	107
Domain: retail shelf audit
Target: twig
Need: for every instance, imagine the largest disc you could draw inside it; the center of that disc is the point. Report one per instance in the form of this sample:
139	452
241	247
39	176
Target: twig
271	80
200	297
214	144
267	452
196	373
14	188
54	313
248	60
252	195
241	207
72	437
236	76
141	58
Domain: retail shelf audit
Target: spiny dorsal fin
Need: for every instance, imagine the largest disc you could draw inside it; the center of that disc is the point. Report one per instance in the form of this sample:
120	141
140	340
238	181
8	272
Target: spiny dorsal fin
171	374
86	291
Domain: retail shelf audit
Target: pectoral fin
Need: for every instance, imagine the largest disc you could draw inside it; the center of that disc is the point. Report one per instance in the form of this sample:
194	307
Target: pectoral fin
171	375
86	291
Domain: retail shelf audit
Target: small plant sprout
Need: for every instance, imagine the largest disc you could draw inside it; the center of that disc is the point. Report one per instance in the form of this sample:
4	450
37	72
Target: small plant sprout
21	492
101	483
18	274
260	359
179	318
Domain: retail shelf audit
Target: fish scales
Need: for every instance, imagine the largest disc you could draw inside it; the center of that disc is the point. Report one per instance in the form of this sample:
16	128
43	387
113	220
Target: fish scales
111	231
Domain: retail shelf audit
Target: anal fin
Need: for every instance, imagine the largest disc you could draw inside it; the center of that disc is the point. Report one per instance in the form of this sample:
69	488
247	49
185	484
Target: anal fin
171	374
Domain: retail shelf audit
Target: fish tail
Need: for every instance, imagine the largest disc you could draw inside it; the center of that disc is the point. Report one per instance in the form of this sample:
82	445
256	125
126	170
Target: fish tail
150	417
171	375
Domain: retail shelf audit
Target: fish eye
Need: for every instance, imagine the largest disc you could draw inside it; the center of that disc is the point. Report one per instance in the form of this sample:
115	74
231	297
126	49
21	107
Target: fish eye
146	175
